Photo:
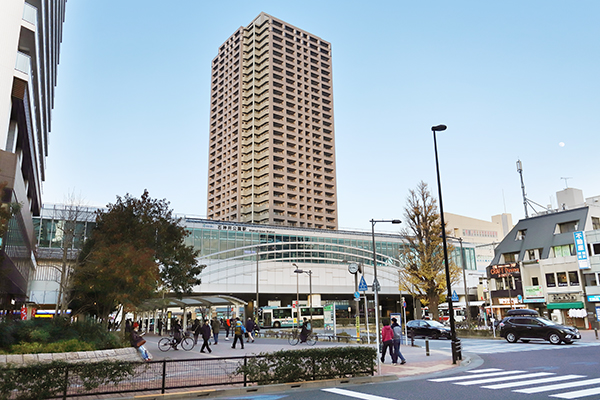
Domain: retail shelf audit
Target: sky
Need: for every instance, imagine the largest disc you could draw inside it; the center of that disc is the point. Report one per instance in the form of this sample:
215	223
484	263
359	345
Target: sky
512	80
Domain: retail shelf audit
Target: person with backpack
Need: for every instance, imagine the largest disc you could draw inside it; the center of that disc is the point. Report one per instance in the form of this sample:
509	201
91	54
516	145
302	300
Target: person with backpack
216	326
249	330
238	333
397	329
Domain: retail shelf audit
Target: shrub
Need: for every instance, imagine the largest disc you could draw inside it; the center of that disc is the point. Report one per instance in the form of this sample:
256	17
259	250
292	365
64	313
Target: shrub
42	381
310	364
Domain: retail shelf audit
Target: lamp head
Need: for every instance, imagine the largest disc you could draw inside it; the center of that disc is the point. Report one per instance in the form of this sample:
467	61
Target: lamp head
396	221
298	271
439	128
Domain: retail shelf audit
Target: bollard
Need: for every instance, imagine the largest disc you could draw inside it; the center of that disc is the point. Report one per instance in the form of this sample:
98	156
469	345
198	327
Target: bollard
426	346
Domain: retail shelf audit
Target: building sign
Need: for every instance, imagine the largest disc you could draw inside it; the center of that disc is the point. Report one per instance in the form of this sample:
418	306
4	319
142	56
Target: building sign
533	291
593	298
534	300
562	297
581	249
508	300
503	270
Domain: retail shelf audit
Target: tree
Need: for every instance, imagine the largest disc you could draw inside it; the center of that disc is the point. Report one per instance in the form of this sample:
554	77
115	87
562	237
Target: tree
423	273
136	247
69	225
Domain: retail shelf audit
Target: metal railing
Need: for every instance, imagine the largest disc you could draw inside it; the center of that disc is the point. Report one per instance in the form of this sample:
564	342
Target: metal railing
161	376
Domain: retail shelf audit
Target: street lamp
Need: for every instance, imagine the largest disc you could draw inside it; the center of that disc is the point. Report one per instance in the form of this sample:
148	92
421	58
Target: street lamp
464	268
376	282
297	299
434	129
299	271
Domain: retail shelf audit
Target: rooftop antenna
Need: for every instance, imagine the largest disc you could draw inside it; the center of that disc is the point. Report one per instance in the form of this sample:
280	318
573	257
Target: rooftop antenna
520	171
566	183
527	201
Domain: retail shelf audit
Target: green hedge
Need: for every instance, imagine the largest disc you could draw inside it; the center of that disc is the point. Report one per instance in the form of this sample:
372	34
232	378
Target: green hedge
55	336
310	364
44	380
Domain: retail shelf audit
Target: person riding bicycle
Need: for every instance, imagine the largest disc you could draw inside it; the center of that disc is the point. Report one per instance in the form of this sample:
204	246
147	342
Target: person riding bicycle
306	330
177	334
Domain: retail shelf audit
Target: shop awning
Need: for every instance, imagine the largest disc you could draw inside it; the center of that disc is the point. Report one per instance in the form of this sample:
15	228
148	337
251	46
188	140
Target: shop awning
565	306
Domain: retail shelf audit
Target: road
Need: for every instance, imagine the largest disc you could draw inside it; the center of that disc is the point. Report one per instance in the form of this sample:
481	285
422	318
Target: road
500	370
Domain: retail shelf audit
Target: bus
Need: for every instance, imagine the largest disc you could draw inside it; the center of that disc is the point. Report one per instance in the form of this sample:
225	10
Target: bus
285	317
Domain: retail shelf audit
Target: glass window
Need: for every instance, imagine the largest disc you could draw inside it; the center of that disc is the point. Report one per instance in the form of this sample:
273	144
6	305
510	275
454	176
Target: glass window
550	280
535	281
562	278
590	279
573	278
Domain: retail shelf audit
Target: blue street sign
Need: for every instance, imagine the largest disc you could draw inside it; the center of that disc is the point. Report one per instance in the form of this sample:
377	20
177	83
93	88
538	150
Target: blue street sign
356	295
454	296
362	286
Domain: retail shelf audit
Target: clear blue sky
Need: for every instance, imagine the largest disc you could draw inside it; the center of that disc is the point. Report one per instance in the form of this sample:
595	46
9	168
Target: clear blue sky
511	80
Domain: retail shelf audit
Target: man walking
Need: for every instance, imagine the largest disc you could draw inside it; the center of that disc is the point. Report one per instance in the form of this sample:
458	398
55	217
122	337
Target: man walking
216	326
238	333
205	337
397	329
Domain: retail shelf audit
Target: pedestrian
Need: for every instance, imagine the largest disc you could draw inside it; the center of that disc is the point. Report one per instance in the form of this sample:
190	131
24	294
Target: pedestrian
196	327
249	330
305	331
238	333
138	342
227	328
205	330
177	333
216	326
397	329
387	338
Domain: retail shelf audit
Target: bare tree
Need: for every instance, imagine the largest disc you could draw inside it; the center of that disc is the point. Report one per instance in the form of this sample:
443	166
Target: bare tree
70	227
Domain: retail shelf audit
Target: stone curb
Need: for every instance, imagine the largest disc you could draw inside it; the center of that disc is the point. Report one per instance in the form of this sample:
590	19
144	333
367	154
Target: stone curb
123	354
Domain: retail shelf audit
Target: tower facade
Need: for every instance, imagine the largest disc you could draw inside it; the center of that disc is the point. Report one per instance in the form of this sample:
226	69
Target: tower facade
30	37
272	146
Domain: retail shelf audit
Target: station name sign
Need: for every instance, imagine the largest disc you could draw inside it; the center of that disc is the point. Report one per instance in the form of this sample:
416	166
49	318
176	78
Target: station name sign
503	270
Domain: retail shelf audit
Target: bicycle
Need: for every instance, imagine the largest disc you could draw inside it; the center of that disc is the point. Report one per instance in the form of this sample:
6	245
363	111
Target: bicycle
165	344
294	339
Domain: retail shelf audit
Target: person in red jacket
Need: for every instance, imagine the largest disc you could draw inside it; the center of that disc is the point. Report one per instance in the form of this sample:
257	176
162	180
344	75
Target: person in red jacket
387	338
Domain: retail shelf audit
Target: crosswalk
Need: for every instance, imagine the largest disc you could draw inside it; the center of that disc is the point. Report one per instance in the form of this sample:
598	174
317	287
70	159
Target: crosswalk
520	381
497	346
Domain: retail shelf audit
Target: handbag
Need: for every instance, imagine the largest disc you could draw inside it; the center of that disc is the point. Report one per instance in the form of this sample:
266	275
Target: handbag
140	343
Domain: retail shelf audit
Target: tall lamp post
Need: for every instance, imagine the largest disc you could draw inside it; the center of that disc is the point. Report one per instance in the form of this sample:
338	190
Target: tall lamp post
464	268
434	129
376	282
299	271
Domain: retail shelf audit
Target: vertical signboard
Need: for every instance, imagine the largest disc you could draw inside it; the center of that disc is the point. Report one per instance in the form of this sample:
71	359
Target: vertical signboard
581	250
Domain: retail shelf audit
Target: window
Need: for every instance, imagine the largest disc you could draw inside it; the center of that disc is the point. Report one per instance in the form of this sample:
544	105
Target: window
562	279
590	279
535	281
596	247
550	280
573	278
566	227
595	223
521	234
564	251
511	257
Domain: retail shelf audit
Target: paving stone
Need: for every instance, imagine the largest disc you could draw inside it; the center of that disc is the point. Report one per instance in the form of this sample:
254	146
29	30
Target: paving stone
14	358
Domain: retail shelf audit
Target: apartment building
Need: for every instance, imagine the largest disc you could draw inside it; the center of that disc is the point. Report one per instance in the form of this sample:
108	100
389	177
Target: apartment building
30	37
272	146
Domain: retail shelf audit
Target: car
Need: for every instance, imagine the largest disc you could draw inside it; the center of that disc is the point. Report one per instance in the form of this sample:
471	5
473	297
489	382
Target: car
428	328
528	327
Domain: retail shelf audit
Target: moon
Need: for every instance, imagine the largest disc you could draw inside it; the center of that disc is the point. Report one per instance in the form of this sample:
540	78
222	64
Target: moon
562	144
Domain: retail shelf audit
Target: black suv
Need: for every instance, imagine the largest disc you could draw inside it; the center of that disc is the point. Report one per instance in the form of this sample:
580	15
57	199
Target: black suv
526	327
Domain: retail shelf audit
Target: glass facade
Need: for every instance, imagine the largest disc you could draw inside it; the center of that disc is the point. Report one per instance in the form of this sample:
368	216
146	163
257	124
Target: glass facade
220	241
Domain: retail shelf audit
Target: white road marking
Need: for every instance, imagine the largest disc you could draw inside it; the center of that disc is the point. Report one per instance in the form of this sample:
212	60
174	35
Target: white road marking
577	394
559	386
533	382
357	395
486	375
504	378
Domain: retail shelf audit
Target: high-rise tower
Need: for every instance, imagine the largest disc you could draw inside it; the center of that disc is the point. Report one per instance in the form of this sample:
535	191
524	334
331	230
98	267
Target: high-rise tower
272	147
30	37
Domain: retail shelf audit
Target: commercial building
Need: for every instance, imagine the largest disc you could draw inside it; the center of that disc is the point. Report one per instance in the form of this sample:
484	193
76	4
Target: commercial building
252	260
272	147
550	262
30	37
